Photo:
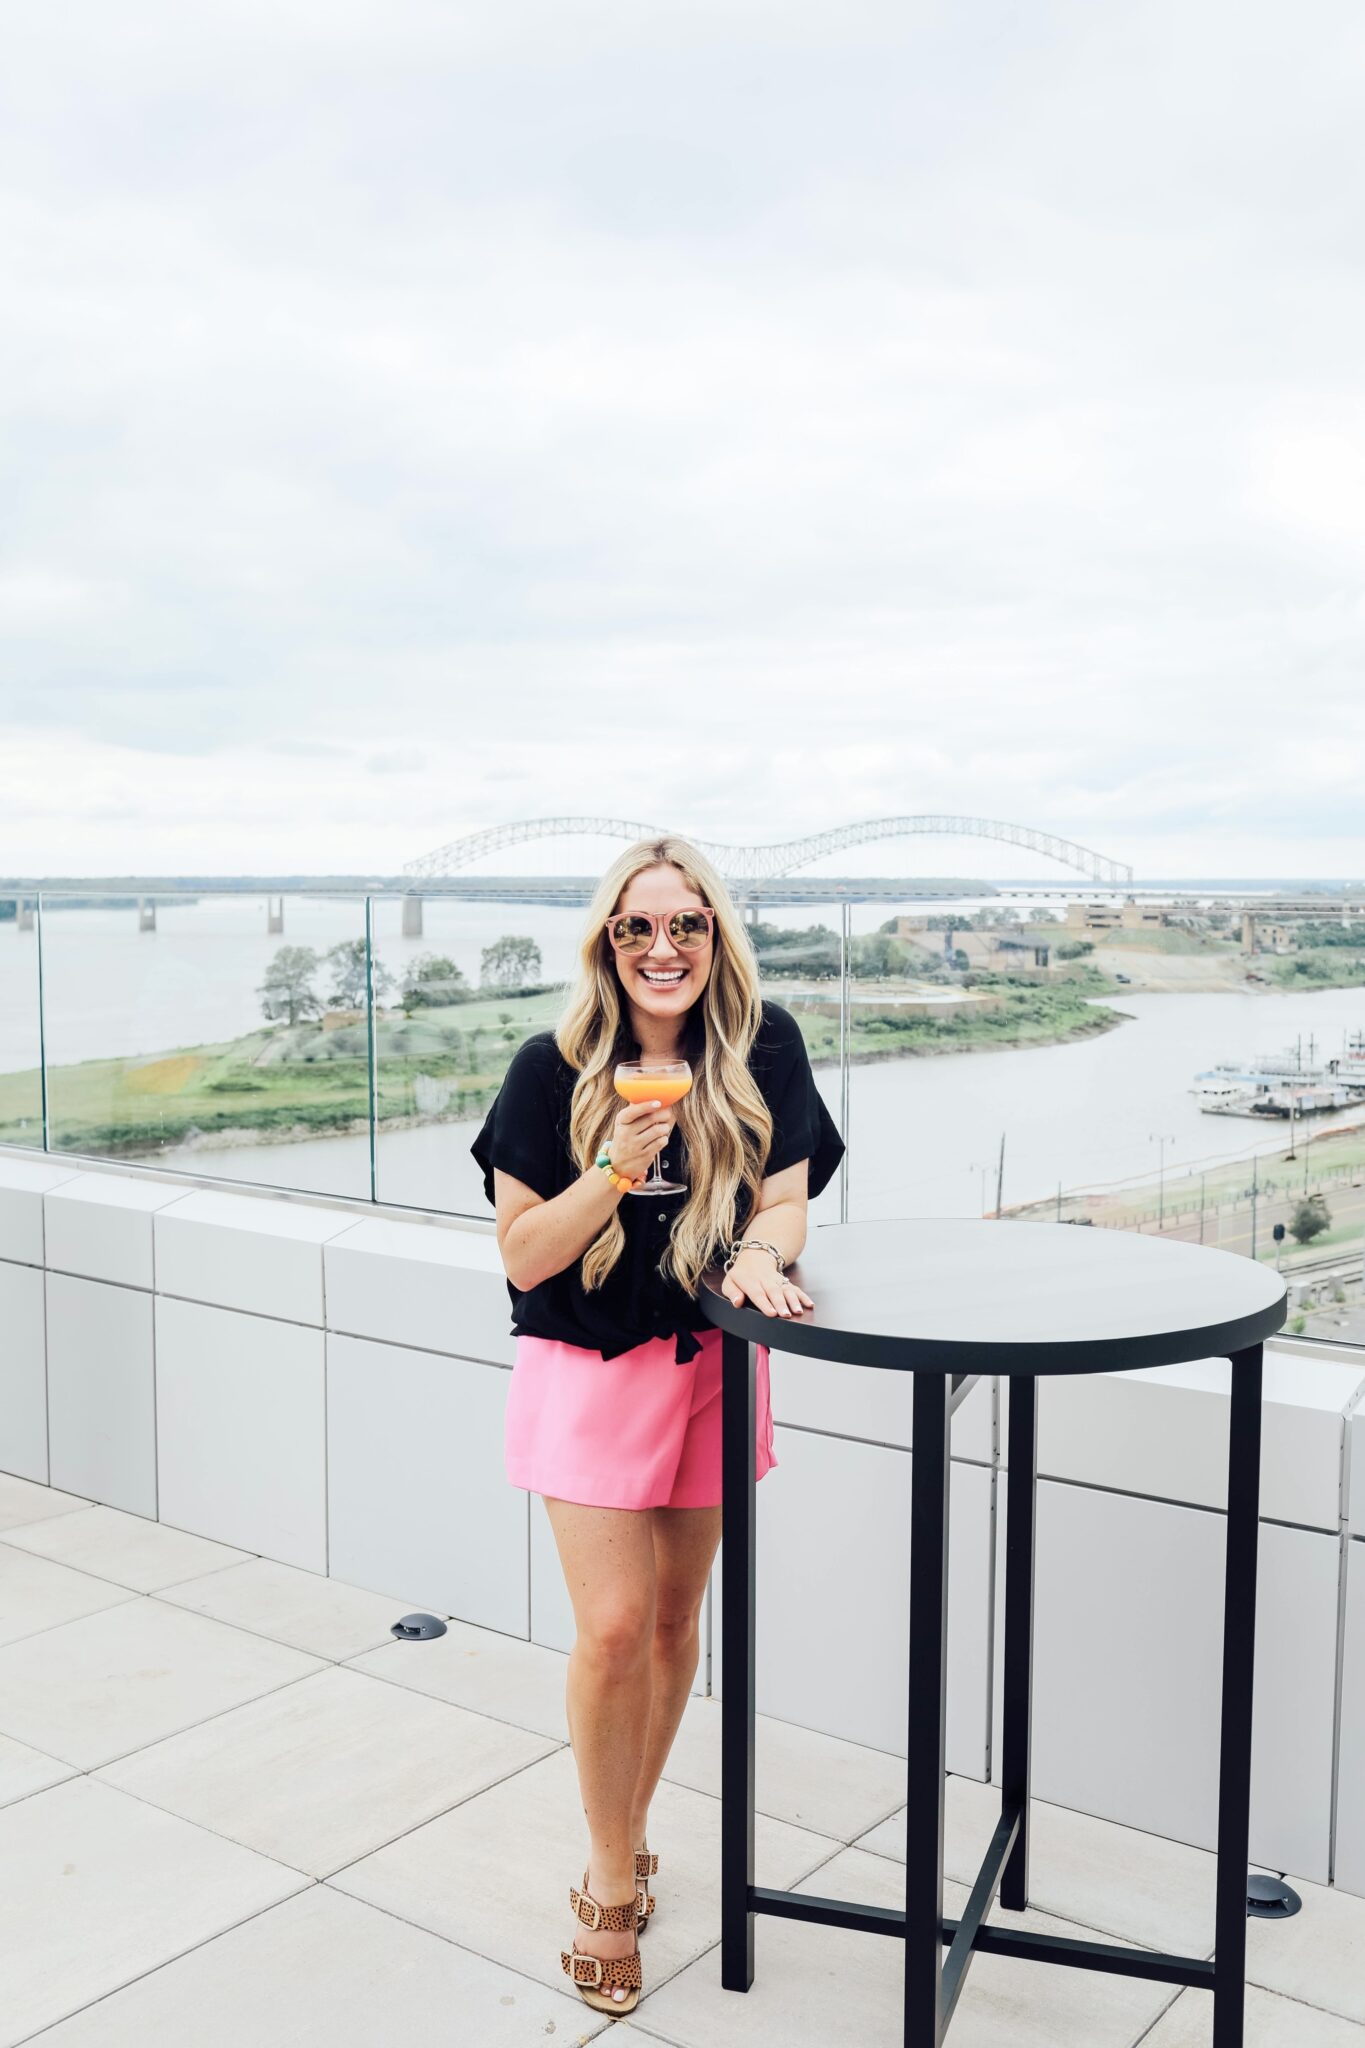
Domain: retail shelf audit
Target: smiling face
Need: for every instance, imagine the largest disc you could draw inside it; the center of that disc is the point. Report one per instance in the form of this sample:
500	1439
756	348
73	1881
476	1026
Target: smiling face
662	984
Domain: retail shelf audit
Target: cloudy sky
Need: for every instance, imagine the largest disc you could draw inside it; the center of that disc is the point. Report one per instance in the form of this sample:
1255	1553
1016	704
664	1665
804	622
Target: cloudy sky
420	414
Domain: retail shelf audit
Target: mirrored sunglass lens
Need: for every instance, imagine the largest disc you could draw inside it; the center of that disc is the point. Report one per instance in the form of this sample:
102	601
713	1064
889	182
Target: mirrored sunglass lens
630	933
688	928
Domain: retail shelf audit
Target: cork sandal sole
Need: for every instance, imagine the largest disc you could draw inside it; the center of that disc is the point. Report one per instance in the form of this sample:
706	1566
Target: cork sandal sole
595	1976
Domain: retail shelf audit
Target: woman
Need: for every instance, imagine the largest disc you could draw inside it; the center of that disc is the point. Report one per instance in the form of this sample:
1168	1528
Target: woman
613	1412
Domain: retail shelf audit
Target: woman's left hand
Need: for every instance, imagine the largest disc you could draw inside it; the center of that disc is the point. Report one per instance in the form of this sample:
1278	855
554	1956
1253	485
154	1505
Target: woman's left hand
754	1278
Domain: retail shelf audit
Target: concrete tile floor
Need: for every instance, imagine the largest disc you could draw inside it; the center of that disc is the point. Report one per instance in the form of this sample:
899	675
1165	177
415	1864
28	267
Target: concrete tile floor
233	1810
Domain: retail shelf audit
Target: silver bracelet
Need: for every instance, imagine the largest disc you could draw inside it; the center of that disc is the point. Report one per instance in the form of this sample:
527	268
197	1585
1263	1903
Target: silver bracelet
757	1244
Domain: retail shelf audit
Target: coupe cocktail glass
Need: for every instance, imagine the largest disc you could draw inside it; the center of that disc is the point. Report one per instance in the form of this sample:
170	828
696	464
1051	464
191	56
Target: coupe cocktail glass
663	1081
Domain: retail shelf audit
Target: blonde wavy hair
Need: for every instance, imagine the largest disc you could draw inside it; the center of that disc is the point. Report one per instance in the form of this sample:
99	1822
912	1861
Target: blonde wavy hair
726	1123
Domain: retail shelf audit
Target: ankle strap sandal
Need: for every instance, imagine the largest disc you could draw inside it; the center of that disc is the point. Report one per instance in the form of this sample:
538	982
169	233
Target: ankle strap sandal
646	1863
595	1976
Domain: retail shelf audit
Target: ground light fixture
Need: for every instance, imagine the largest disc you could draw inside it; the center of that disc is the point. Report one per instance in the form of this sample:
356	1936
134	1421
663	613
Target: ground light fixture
417	1628
1270	1898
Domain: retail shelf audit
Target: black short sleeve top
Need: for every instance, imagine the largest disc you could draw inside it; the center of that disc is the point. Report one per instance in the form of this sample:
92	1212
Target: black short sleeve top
526	1134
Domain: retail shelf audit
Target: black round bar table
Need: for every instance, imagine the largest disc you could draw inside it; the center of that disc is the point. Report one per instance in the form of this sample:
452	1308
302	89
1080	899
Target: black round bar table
952	1300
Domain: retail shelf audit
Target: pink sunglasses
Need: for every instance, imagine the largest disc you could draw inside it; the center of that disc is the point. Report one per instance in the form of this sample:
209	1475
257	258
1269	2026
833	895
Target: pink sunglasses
634	931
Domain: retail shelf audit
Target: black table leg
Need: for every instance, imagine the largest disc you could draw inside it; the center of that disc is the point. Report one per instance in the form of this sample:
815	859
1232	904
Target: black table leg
1016	1735
1239	1656
738	1524
929	1479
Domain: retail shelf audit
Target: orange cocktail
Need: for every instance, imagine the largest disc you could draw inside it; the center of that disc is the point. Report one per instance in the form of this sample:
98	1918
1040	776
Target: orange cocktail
664	1088
662	1081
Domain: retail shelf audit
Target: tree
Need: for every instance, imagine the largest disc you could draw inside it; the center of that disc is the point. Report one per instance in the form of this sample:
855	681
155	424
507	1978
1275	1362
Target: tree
287	990
1310	1217
877	955
432	982
509	962
347	963
784	950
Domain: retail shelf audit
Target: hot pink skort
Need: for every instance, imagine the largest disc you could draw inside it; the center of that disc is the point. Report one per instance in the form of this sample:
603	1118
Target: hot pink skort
634	1431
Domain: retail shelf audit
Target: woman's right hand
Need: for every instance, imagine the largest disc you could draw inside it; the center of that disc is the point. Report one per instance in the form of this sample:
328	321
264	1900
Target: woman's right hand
640	1132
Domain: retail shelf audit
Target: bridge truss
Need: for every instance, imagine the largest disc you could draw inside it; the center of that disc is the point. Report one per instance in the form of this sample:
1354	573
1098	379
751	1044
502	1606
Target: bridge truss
764	863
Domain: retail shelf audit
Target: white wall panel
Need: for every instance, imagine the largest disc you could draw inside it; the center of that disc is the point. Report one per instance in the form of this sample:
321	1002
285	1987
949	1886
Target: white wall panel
100	1225
23	1183
101	1407
832	1636
246	1252
860	1401
419	1503
1350	1865
1128	1627
421	1284
23	1373
1164	1433
240	1420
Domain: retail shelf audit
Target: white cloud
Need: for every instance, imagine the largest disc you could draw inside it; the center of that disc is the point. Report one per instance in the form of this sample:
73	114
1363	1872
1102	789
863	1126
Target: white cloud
421	416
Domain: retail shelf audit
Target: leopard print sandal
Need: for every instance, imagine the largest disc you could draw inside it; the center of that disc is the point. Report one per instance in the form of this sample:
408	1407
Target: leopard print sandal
595	1977
646	1864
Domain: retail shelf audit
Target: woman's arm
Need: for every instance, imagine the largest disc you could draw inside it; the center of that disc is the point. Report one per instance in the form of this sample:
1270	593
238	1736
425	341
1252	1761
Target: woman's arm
539	1238
779	1219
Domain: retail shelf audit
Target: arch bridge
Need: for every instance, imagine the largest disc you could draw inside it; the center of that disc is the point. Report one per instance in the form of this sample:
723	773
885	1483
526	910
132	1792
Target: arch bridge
764	863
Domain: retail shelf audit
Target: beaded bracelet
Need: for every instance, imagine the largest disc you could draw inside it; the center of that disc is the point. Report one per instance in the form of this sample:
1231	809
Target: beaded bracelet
618	1180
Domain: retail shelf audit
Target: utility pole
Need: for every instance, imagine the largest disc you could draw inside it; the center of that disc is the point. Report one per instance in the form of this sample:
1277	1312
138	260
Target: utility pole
1000	1178
1255	1193
1161	1144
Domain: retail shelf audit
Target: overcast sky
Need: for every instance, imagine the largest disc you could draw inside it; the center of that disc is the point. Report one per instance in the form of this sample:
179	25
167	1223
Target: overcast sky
420	415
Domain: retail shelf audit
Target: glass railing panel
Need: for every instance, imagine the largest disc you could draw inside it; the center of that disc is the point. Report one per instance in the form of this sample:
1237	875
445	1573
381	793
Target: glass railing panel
459	985
1002	1061
463	983
219	1035
798	950
21	1087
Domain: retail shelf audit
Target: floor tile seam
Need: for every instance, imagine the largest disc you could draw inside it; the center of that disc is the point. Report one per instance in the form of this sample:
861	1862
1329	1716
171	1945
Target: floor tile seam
102	1578
496	1962
1153	2024
219	1713
72	1771
1108	1934
69	1620
803	1827
258	1635
344	1664
430	1819
53	1514
209	1828
1311	2004
168	1961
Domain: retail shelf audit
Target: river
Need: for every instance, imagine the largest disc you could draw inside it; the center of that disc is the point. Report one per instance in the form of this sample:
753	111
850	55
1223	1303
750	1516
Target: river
924	1134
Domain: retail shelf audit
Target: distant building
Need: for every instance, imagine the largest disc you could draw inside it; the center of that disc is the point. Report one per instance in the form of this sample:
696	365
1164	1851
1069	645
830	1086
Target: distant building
1011	948
1128	916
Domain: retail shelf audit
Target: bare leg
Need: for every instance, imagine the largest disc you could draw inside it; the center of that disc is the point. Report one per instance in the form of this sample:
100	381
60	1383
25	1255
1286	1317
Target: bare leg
608	1559
685	1544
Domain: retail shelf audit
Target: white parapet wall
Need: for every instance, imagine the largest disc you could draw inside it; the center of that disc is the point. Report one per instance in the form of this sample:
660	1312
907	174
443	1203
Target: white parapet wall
324	1384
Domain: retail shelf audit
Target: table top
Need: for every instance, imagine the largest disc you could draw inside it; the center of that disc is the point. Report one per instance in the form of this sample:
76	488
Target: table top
962	1294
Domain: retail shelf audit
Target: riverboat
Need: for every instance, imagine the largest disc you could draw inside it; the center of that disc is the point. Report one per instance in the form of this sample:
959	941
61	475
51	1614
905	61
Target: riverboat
1271	1078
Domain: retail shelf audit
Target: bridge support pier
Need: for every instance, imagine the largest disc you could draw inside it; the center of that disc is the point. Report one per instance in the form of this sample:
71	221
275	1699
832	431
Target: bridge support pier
274	915
412	917
146	914
23	916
